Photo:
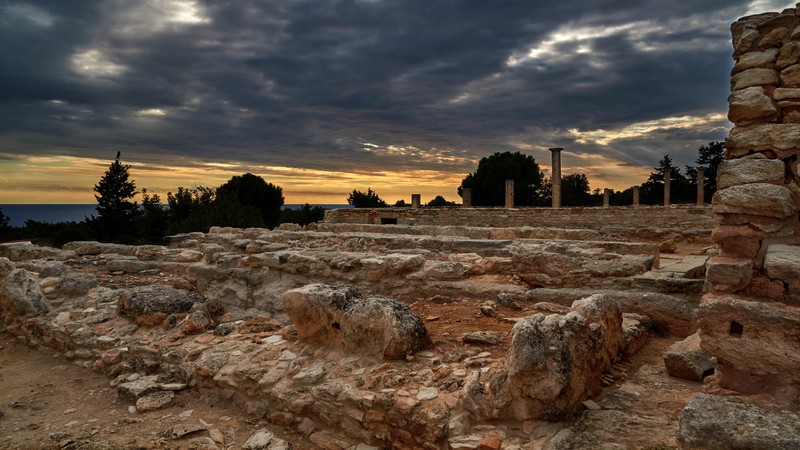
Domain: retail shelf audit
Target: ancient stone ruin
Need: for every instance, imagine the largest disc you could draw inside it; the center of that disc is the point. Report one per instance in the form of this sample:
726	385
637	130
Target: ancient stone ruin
614	327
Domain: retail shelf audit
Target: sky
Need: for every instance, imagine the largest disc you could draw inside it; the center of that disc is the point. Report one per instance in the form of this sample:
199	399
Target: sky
322	97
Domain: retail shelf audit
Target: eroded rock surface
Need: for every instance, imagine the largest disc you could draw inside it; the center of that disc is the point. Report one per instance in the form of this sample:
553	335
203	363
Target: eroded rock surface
342	318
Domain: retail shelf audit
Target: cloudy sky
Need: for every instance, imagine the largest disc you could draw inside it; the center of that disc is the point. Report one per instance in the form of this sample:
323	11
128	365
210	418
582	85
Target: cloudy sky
321	97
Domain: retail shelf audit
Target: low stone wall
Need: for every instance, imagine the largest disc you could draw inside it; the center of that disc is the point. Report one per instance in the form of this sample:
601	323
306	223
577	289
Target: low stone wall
692	221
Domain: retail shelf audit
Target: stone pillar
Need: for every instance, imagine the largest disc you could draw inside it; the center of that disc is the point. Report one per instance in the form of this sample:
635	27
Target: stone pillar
556	176
667	186
415	200
701	178
509	193
754	282
606	197
466	197
636	196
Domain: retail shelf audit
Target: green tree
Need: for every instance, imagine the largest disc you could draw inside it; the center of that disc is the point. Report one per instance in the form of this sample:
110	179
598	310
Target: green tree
369	199
488	182
116	212
681	189
5	222
251	191
153	219
400	203
709	158
440	201
191	209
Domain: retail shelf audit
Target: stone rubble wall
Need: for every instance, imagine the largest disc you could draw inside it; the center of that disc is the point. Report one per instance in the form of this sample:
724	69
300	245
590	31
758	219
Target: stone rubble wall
750	318
690	223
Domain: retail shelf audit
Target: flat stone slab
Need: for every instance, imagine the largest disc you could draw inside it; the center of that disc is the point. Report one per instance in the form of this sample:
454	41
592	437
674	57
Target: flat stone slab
711	421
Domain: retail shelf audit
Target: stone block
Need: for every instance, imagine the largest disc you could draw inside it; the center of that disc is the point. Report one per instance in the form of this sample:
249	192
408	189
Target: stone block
782	262
150	305
711	421
743	171
755	343
790	76
758	199
342	318
754	77
754	60
686	360
769	136
789	54
732	272
786	94
751	105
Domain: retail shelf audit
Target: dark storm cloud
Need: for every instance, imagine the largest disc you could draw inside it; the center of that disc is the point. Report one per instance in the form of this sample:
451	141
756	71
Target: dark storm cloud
307	83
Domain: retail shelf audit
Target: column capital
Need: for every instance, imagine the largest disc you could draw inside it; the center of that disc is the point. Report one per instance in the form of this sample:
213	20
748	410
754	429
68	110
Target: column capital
556	149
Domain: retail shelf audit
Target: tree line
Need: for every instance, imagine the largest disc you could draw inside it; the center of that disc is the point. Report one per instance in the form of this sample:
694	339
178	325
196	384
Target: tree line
244	201
533	188
248	201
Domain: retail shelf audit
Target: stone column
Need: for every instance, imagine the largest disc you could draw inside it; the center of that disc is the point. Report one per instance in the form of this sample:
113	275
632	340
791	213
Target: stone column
509	193
556	176
466	197
667	186
701	199
636	196
415	200
606	197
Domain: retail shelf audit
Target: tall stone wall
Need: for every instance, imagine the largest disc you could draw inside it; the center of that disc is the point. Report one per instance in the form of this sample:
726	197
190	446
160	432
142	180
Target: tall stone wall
750	319
758	199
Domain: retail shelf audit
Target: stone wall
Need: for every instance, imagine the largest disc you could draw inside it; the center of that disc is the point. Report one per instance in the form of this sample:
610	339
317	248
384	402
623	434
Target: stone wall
750	320
611	219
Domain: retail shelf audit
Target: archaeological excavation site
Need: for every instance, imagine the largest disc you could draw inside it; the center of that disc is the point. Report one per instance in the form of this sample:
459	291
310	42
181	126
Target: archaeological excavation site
615	327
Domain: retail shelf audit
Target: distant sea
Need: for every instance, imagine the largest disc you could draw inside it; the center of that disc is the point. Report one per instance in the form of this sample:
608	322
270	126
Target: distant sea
76	213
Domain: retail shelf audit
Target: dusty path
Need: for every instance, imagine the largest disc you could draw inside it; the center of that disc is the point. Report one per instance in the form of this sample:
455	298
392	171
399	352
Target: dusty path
48	402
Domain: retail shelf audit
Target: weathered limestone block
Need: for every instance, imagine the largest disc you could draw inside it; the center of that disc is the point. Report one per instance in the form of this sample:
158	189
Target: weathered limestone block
782	262
733	273
746	39
790	76
756	60
635	331
342	318
45	269
786	94
126	265
789	55
755	343
84	248
76	284
758	199
751	105
20	295
555	362
754	77
134	390
773	37
743	171
604	311
150	305
770	136
549	365
711	421
686	360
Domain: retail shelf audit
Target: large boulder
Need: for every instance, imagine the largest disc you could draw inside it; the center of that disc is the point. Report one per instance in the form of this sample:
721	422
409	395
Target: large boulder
556	361
757	199
550	365
150	305
340	317
686	360
714	422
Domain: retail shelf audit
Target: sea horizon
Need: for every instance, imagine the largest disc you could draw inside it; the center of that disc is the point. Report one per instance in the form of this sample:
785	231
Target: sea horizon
19	213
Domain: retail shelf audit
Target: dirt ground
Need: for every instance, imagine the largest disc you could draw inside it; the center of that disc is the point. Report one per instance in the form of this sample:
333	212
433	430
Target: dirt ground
48	402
